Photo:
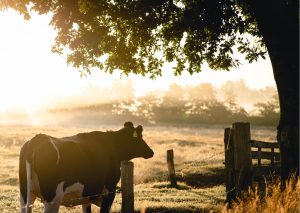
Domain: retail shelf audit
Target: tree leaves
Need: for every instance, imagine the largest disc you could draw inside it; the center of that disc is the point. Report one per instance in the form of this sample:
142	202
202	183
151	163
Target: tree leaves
138	36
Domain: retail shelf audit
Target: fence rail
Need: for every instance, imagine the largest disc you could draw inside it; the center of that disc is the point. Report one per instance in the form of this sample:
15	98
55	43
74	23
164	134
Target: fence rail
263	144
265	155
269	155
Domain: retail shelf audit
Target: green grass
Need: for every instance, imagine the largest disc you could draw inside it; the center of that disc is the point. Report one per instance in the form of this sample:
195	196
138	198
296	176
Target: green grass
198	161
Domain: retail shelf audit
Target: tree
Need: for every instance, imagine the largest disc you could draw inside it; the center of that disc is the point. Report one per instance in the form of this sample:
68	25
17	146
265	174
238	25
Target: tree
138	36
268	112
271	108
204	91
229	93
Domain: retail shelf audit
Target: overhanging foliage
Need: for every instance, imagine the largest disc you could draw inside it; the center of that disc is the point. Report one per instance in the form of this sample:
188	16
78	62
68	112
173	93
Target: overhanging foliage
139	36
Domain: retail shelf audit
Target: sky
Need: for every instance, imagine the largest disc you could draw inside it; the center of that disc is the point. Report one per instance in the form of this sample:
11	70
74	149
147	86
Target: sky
33	77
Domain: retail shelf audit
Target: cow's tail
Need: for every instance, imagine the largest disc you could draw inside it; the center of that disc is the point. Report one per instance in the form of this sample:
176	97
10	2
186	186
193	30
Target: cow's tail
25	173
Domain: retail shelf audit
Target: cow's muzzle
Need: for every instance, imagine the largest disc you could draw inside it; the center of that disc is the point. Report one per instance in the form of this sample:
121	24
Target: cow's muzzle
149	154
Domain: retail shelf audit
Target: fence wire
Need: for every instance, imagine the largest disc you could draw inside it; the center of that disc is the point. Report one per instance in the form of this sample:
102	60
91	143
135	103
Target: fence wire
69	200
213	156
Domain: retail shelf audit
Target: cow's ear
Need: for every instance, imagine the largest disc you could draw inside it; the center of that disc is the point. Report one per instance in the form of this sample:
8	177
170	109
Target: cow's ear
135	135
128	124
139	129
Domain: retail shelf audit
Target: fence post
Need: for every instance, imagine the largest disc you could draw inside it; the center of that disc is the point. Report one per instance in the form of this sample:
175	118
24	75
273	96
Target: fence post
229	165
127	187
273	156
242	156
259	157
171	168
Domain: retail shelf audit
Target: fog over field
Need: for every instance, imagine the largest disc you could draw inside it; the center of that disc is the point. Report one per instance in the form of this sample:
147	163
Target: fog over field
198	104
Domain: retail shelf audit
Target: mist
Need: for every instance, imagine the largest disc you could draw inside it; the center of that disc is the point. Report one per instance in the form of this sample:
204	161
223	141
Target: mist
199	104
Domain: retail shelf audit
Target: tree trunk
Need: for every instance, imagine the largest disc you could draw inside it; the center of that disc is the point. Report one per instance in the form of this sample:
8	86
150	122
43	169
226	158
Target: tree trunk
278	24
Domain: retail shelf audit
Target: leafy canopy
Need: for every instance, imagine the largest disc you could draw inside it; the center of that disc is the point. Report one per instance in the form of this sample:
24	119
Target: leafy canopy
138	36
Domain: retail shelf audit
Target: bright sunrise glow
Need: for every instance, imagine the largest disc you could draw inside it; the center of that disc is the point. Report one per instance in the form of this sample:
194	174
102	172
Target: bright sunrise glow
32	77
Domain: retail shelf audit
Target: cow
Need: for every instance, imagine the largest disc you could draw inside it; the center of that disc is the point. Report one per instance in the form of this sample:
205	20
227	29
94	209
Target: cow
83	169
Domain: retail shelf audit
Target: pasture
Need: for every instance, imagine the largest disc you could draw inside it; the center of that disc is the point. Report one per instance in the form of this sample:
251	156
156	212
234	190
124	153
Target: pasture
198	157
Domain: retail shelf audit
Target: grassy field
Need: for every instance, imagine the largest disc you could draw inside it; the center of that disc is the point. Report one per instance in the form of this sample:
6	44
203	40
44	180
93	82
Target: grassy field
198	156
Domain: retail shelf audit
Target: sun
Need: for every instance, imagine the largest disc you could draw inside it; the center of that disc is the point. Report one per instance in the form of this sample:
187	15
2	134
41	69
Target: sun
30	74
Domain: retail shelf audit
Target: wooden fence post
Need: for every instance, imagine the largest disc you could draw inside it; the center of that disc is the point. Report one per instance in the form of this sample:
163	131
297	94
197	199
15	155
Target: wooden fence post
273	157
259	157
242	156
171	168
229	165
127	187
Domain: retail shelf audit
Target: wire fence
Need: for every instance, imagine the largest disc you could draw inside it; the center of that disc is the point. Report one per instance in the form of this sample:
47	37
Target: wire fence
213	156
60	202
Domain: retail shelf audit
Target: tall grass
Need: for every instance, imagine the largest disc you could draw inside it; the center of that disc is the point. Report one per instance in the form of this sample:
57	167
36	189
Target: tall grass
271	200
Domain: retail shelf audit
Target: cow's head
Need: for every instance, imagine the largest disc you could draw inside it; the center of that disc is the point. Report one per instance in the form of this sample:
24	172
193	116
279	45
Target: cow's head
132	144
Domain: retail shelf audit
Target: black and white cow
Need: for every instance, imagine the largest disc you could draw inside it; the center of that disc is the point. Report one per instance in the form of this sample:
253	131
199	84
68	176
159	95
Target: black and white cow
77	170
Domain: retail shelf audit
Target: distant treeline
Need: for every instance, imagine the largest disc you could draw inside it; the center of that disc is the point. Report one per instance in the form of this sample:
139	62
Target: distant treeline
198	105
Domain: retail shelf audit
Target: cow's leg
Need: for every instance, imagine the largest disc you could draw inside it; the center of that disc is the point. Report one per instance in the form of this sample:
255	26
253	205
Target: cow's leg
51	207
23	204
86	208
27	207
27	198
108	200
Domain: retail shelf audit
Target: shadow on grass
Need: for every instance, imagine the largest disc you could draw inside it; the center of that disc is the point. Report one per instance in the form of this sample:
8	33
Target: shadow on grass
217	176
10	181
178	187
266	171
211	178
265	174
173	210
